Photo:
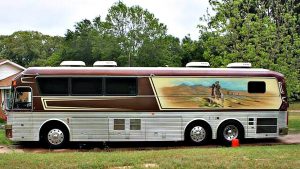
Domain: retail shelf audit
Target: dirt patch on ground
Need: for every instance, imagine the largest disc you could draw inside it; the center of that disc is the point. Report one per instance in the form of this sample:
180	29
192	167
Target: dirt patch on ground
137	146
290	139
5	149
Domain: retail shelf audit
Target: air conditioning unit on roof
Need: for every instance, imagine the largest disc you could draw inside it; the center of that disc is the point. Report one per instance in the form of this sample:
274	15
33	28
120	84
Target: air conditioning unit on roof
105	64
72	63
239	65
197	64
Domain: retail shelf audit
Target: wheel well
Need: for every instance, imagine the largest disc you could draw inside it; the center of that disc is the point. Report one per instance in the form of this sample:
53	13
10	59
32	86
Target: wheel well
53	123
232	121
195	122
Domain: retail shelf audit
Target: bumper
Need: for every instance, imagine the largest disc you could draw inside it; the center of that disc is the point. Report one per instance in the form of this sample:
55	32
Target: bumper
8	131
283	131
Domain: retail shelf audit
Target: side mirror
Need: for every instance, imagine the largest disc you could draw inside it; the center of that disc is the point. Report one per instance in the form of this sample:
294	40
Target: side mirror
6	105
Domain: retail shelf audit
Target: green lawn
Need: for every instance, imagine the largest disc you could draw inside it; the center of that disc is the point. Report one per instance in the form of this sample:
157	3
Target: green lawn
282	156
294	122
294	106
3	139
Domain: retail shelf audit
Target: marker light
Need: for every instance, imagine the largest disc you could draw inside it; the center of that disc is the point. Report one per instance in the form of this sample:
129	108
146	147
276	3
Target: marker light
14	83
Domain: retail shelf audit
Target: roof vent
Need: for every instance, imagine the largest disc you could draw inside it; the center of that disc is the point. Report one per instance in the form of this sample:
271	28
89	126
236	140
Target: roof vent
72	63
105	64
239	65
197	64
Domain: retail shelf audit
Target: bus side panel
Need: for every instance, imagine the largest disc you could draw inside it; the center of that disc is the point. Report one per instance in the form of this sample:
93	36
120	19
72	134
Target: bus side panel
21	126
154	126
164	128
89	128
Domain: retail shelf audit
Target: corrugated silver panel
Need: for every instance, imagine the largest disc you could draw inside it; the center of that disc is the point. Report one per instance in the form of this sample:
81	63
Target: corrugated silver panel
160	126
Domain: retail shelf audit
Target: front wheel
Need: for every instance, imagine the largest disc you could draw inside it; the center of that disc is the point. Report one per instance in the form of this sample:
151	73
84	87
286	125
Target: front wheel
55	137
197	134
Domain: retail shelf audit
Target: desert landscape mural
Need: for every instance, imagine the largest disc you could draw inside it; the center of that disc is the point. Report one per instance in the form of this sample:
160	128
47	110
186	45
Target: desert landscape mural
214	93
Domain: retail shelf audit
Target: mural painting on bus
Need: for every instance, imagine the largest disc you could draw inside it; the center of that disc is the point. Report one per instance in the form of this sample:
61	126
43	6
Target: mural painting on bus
214	92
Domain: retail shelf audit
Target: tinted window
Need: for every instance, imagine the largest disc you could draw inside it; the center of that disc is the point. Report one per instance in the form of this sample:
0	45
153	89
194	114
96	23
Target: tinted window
87	86
53	86
120	86
256	87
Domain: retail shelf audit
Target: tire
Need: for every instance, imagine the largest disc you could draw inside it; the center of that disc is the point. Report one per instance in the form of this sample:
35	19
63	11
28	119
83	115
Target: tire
230	130
197	134
55	137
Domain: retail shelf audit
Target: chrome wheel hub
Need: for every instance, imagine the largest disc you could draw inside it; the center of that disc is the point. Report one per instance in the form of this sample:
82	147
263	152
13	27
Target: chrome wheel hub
198	134
230	132
55	136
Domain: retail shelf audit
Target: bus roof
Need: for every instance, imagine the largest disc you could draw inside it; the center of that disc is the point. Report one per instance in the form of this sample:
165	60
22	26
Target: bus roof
150	71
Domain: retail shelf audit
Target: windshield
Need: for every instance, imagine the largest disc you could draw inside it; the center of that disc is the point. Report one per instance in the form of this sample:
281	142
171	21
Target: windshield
22	98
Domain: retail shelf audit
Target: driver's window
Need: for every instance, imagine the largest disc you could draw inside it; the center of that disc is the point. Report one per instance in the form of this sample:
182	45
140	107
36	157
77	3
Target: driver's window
23	99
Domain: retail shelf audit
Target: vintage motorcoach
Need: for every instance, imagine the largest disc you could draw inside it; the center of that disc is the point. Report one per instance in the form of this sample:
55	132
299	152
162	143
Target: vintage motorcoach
61	104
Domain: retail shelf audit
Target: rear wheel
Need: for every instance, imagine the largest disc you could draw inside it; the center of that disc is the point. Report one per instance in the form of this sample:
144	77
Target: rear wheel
230	130
55	137
197	134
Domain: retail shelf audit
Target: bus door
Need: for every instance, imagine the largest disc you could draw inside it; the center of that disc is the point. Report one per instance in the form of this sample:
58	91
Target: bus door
22	108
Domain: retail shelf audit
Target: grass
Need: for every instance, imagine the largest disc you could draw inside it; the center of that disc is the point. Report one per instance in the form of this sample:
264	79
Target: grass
281	156
3	139
294	122
294	106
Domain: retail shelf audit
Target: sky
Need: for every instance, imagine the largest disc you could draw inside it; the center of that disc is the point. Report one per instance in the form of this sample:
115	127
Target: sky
54	17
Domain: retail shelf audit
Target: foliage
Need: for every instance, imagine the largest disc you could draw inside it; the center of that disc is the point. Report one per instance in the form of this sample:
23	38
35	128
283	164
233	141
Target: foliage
265	33
261	32
3	139
28	48
90	42
192	50
127	35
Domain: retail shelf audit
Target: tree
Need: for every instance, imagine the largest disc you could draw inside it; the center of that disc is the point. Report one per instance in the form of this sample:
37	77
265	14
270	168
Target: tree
132	26
128	35
261	32
161	52
28	48
91	41
192	50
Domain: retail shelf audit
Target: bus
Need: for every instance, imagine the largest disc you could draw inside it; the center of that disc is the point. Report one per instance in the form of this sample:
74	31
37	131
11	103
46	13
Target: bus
57	105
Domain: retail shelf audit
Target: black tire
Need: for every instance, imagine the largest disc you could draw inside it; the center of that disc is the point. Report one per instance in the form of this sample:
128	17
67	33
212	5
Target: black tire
55	137
197	133
230	130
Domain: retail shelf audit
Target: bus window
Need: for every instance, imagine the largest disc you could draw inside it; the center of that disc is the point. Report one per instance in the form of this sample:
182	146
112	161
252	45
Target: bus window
23	99
86	86
256	87
126	86
53	85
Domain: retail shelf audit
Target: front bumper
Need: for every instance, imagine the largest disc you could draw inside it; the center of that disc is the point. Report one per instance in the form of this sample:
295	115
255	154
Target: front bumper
283	131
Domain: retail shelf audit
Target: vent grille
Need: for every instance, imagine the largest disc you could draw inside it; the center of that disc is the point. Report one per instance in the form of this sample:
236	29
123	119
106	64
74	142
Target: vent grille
266	125
267	121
